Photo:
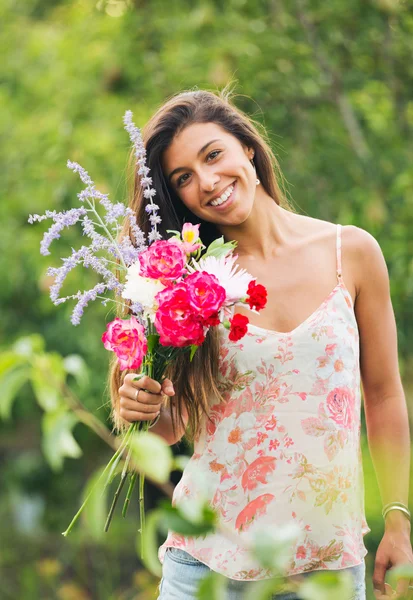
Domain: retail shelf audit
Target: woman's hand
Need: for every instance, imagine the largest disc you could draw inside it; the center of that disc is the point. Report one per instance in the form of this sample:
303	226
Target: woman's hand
394	550
141	399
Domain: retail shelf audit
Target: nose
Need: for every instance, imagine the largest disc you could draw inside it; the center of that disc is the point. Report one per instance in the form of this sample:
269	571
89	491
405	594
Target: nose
208	182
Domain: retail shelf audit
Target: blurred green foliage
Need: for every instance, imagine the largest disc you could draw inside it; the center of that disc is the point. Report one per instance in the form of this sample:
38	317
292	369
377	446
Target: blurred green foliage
332	83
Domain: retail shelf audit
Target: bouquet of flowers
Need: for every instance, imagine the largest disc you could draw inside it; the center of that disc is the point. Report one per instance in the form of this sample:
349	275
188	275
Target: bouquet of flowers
174	290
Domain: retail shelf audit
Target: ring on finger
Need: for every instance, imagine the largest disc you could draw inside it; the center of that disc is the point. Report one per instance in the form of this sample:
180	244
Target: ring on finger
137	393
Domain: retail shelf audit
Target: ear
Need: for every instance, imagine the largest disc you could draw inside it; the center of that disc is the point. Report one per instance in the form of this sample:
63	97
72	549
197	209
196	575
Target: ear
249	151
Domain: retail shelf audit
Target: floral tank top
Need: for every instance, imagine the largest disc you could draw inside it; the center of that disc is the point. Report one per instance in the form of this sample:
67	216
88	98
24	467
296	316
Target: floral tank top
285	446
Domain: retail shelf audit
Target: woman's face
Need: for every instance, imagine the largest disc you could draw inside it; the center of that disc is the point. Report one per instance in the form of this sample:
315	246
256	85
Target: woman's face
204	162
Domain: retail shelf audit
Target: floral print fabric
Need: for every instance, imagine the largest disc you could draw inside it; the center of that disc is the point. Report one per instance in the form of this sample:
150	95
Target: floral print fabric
285	445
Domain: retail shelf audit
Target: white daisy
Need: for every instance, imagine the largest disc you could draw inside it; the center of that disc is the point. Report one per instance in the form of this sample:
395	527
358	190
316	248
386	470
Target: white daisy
233	278
142	290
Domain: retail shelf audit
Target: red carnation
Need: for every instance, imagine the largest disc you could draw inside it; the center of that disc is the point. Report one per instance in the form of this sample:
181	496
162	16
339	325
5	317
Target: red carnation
212	320
239	327
257	296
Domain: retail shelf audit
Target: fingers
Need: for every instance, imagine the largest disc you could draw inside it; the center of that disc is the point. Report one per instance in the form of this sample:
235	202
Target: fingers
143	383
140	405
143	405
133	415
388	593
148	392
168	388
379	575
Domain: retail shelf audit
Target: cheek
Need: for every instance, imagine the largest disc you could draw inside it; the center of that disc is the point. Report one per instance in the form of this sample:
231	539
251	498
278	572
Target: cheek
189	200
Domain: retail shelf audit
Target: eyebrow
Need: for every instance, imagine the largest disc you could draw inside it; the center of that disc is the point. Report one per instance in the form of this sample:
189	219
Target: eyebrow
199	154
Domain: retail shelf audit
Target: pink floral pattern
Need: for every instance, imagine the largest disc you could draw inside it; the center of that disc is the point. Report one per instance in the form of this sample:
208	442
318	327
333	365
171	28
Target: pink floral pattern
284	445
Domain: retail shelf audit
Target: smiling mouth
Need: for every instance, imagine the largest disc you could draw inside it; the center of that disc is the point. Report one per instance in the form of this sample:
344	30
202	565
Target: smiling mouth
224	197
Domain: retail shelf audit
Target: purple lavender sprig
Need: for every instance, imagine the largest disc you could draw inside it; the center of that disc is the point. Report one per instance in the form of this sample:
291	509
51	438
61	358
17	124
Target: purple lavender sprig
61	220
140	153
88	255
106	240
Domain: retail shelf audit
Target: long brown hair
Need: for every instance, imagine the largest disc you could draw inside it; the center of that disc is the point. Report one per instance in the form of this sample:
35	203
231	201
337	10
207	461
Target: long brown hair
195	383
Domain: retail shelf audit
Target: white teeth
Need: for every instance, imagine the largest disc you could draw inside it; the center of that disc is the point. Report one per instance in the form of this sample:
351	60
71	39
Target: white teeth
223	198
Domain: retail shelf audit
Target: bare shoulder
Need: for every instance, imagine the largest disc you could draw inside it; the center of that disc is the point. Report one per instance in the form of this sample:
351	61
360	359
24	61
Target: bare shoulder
366	257
363	262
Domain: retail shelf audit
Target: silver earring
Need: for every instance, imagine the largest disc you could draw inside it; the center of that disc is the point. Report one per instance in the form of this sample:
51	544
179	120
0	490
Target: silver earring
258	182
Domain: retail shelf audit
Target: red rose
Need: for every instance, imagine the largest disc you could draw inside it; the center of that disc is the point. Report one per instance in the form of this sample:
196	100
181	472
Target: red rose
257	296
239	327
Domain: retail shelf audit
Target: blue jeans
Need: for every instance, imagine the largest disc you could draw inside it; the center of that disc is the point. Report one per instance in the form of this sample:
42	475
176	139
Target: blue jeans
182	573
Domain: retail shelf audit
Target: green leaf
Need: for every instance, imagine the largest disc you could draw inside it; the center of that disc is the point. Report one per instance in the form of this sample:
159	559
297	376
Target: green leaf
401	572
265	589
94	513
58	441
9	360
150	543
194	348
47	376
273	547
219	248
153	341
176	233
10	384
76	366
179	462
212	587
29	345
190	517
152	455
327	585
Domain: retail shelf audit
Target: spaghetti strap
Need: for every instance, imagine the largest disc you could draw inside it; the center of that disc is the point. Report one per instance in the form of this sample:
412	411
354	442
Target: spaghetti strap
338	250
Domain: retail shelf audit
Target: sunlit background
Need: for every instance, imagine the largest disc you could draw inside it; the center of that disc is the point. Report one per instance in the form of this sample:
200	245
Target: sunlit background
332	82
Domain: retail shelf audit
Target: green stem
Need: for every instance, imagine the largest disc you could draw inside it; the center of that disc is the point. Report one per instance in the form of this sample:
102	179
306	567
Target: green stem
129	494
112	300
125	472
141	510
121	483
150	372
108	233
114	502
110	463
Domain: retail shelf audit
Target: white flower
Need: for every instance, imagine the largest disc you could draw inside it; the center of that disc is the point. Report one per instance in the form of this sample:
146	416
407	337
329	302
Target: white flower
233	279
142	289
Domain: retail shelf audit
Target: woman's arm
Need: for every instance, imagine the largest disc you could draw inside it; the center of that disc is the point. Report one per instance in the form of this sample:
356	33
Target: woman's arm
163	427
384	400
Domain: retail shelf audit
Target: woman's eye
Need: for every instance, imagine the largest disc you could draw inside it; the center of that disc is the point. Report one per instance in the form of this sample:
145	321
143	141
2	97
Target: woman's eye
178	183
213	152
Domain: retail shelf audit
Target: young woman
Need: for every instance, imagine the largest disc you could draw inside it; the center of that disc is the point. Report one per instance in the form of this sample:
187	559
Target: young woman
275	417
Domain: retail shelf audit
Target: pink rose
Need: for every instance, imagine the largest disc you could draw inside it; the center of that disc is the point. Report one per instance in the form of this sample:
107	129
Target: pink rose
190	236
164	260
206	295
126	338
340	403
175	320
